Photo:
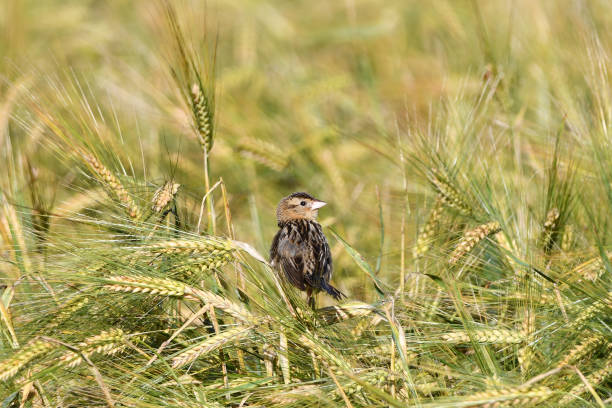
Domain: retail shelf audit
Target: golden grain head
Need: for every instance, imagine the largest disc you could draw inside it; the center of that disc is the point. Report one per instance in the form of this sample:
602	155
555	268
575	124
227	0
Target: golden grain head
428	231
32	350
586	346
163	196
449	195
210	344
471	238
148	285
501	336
511	397
108	343
594	379
113	185
203	116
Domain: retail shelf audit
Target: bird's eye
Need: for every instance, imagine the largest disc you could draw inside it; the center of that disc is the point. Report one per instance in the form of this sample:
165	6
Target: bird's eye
303	203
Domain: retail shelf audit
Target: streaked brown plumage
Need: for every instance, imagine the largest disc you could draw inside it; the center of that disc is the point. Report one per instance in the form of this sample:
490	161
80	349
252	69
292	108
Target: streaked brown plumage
300	249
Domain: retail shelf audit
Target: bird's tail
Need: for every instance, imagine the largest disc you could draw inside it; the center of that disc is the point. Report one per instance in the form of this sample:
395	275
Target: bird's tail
332	291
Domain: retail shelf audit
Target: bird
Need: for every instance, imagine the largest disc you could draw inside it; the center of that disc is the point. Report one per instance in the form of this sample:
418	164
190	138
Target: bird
300	250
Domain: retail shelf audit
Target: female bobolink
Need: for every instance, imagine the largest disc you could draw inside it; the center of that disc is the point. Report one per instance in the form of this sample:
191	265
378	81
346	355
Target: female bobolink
300	249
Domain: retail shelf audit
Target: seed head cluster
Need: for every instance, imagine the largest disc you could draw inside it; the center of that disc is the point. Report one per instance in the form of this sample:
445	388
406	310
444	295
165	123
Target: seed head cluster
471	238
502	336
203	116
428	231
113	184
449	195
163	196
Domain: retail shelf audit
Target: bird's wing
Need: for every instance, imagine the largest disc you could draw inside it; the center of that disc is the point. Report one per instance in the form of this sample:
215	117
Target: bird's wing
321	257
288	254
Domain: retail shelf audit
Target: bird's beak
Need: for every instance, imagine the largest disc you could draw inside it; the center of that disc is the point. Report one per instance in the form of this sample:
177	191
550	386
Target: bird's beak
318	204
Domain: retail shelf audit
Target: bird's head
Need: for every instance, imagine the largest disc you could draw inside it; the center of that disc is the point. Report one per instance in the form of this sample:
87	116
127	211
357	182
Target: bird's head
298	206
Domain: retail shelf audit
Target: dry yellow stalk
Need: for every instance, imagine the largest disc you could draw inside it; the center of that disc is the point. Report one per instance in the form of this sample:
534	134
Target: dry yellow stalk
484	336
163	196
10	366
542	298
449	195
428	230
113	184
203	116
210	344
471	238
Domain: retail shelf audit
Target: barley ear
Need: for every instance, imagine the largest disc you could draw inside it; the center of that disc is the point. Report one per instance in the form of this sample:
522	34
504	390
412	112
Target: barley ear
450	196
202	109
112	184
500	336
471	238
428	231
550	231
163	196
210	344
32	350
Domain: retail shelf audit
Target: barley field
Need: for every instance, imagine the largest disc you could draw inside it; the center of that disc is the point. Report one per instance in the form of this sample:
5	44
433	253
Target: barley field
463	148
